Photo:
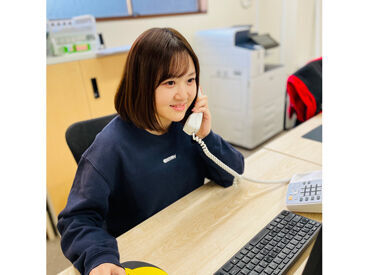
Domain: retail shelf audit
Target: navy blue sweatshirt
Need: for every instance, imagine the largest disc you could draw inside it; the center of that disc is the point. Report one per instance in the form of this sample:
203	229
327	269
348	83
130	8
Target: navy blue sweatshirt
126	176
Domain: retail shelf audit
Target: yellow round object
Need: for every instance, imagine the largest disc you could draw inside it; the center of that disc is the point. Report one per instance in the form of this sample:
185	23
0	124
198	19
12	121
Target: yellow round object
142	268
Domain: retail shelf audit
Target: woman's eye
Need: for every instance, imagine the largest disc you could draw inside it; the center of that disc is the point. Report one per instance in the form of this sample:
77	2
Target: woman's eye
191	80
170	83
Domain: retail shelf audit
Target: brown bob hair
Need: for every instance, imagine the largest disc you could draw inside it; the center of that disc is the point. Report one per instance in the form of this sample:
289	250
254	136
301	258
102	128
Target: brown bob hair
156	55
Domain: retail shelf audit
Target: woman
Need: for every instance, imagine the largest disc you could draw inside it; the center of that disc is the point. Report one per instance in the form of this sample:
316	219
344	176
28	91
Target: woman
142	161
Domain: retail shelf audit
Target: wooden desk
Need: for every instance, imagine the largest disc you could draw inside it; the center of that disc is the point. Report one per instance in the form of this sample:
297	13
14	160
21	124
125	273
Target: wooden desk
201	231
293	144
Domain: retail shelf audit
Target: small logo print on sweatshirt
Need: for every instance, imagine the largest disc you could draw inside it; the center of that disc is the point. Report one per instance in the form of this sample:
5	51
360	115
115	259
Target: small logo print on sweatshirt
169	159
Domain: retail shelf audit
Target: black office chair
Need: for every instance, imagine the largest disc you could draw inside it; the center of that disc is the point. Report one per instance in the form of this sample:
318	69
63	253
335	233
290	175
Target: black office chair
80	135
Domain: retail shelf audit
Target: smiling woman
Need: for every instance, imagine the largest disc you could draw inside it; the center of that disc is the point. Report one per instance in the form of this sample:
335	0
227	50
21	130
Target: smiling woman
142	161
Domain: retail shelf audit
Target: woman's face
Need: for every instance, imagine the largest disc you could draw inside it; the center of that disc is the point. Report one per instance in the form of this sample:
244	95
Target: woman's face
174	96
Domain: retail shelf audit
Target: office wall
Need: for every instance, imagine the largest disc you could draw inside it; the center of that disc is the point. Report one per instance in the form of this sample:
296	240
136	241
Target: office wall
296	24
291	22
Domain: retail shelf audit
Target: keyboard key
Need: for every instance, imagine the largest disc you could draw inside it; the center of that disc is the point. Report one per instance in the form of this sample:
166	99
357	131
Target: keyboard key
227	267
234	271
294	242
285	241
255	261
269	270
239	256
260	256
259	269
291	255
246	259
241	264
273	265
245	271
263	264
283	222
259	236
268	259
282	255
255	250
251	255
298	238
305	230
278	260
277	239
254	273
250	266
264	242
304	220
286	250
268	237
289	217
234	261
286	260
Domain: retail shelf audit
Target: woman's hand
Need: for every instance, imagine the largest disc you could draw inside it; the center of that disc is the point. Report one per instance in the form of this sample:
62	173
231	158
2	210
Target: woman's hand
107	269
201	106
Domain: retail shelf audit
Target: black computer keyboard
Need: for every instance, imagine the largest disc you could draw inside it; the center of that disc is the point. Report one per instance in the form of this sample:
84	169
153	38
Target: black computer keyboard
275	248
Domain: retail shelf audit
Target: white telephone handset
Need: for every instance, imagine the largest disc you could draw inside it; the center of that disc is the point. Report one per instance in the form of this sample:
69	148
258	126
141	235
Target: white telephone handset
194	121
192	126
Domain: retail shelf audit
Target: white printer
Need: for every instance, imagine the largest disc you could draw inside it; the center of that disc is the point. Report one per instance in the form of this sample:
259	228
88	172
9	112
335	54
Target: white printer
246	96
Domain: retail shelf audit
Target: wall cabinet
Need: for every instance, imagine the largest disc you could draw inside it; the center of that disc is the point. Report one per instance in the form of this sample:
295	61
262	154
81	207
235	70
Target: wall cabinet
76	91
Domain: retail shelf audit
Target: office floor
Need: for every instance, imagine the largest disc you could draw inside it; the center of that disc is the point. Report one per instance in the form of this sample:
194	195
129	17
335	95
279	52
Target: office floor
55	260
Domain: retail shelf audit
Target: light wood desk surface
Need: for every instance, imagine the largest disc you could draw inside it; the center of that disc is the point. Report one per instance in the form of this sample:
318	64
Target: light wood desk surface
200	232
293	144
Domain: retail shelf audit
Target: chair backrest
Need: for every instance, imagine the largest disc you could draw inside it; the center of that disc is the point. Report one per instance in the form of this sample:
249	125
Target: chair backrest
80	135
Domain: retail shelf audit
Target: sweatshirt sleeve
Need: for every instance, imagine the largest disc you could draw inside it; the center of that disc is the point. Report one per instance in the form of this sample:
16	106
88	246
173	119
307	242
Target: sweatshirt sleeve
83	240
224	152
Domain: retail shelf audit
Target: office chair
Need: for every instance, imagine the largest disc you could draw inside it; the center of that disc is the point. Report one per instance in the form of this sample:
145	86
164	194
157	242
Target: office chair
80	135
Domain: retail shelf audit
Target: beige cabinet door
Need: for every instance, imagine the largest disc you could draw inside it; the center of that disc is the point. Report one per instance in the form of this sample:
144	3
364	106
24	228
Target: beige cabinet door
66	104
106	72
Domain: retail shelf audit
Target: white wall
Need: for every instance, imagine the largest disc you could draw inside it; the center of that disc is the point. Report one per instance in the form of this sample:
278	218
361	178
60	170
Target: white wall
296	24
290	22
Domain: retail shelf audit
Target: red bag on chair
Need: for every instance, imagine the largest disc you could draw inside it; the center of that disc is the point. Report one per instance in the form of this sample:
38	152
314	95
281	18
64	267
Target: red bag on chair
304	88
